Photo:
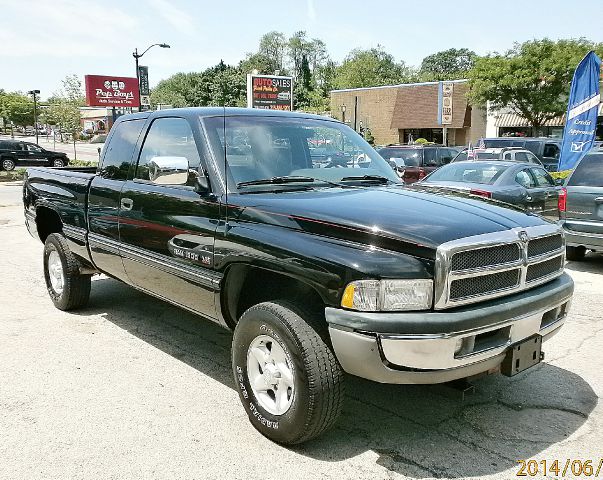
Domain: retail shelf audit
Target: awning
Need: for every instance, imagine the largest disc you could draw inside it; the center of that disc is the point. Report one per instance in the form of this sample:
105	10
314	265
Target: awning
515	120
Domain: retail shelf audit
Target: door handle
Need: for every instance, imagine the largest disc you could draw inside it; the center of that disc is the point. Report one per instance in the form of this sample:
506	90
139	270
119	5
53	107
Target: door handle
127	203
599	199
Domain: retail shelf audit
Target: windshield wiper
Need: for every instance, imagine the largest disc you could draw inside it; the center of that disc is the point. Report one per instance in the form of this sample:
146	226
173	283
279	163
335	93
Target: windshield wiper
276	180
369	178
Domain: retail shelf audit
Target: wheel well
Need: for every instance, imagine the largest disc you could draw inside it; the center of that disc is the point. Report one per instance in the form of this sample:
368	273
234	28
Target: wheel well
47	222
246	286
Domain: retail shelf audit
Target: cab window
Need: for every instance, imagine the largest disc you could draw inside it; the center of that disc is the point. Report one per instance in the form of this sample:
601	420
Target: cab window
167	137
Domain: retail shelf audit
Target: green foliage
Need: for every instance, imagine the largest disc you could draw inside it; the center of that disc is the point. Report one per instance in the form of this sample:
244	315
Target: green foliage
17	108
421	141
533	78
451	64
369	68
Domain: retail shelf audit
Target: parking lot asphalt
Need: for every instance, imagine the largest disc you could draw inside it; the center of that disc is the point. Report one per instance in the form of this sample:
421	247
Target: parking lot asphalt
133	388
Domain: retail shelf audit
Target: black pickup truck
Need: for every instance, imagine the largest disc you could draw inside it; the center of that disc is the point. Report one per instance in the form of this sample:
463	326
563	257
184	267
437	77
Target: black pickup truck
319	267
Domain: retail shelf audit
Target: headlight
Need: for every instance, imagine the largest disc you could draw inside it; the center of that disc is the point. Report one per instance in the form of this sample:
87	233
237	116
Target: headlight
388	295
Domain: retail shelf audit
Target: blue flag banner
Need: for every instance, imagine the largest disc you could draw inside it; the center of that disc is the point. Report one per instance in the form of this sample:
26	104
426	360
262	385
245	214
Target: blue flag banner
582	108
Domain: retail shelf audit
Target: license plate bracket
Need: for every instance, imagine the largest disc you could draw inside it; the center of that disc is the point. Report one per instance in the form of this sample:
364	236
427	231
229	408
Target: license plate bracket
522	356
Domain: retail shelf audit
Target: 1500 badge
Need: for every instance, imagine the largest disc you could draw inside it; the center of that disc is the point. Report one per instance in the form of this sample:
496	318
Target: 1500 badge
188	247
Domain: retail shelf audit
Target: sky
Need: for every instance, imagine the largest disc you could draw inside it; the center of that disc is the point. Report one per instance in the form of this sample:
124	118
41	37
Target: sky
42	41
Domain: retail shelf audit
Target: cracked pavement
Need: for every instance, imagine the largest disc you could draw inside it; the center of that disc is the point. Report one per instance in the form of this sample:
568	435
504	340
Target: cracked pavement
131	387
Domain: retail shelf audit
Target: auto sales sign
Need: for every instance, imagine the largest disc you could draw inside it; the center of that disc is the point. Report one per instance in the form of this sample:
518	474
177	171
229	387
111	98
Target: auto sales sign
109	91
269	92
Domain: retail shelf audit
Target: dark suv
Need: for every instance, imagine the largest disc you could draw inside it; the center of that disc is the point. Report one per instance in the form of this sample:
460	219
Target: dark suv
581	207
419	160
546	149
16	152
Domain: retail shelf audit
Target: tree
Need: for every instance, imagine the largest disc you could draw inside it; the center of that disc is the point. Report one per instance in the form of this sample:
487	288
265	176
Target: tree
370	68
273	46
303	87
17	108
533	78
451	64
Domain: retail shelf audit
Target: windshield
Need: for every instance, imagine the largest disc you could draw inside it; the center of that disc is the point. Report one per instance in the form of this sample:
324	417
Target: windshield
467	173
259	148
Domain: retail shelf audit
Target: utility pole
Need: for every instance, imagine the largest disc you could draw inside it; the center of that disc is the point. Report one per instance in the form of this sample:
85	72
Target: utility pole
35	112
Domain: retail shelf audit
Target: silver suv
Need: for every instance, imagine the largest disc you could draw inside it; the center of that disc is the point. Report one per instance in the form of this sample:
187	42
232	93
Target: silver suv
581	207
508	154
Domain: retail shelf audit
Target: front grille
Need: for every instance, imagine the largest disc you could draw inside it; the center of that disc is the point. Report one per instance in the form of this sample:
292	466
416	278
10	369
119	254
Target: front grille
544	269
540	246
511	264
484	257
471	286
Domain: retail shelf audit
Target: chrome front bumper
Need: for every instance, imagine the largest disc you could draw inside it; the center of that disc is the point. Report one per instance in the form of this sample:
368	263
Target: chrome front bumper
435	358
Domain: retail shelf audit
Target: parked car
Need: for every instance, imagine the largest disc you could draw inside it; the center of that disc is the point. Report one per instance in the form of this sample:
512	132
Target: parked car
318	270
523	185
16	153
419	160
546	149
581	207
509	154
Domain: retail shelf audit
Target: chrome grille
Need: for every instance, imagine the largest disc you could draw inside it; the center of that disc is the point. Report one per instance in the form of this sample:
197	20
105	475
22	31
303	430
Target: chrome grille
544	269
541	246
471	286
486	266
483	257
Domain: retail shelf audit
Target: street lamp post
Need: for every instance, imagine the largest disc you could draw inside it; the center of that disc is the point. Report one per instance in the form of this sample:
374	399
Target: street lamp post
34	93
136	56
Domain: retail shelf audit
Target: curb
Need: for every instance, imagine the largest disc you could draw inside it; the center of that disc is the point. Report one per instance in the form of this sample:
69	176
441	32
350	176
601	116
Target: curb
16	183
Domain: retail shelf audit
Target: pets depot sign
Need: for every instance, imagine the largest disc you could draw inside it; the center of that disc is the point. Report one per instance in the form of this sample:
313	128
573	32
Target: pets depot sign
108	91
269	92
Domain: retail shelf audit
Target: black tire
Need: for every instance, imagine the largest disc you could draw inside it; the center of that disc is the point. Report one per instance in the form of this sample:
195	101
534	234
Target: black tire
58	162
76	287
575	254
317	376
8	164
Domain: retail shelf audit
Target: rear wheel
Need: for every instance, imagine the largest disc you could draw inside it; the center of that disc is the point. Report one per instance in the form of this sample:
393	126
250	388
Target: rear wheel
68	289
575	254
8	164
288	379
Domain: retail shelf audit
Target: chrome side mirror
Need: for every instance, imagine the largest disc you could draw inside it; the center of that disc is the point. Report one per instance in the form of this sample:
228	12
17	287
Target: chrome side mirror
168	170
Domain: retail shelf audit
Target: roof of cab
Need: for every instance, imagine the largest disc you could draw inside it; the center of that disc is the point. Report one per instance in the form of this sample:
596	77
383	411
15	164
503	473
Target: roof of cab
219	111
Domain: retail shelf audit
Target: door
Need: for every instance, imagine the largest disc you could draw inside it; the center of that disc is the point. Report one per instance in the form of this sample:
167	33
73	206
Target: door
546	183
35	155
103	199
531	198
167	229
584	212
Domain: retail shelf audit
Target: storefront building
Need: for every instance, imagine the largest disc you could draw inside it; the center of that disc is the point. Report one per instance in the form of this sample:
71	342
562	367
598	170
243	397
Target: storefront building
398	114
505	122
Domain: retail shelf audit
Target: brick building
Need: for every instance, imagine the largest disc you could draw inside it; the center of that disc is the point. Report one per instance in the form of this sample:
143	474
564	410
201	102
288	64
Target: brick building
396	113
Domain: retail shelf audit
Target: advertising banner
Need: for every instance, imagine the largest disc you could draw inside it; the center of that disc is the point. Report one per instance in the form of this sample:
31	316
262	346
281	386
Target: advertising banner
143	85
445	103
109	91
582	108
269	92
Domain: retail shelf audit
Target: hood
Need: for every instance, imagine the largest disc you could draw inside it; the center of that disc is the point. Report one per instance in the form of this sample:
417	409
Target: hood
392	217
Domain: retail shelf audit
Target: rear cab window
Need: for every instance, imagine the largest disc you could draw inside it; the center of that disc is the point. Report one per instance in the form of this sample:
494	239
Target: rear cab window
589	172
118	156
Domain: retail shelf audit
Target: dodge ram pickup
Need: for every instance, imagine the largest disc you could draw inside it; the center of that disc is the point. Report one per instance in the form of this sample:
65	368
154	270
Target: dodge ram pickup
319	267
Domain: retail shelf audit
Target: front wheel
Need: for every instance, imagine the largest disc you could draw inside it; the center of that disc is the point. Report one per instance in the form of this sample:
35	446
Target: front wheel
8	164
58	162
68	289
288	379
